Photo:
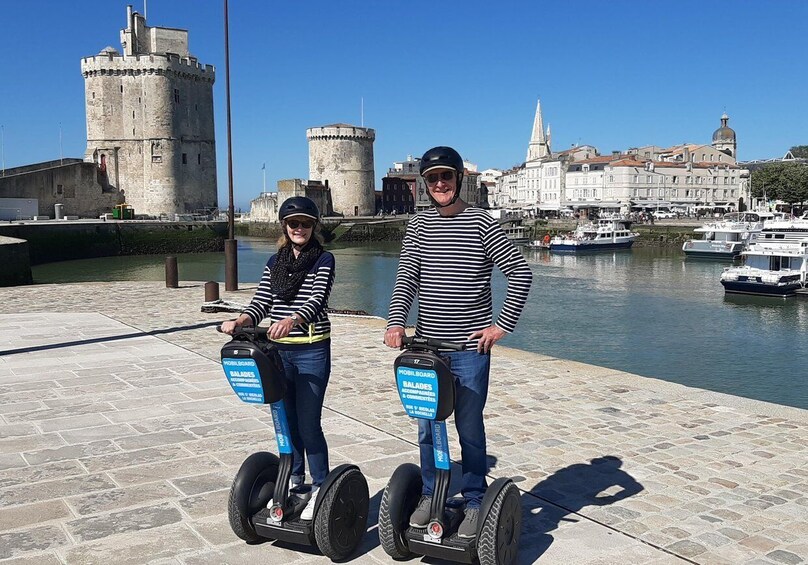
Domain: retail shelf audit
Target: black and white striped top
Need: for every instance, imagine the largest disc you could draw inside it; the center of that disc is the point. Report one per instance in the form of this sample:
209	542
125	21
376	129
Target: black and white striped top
309	303
447	262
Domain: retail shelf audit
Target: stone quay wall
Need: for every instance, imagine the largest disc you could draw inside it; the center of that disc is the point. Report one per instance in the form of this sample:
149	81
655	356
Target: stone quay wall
16	262
62	241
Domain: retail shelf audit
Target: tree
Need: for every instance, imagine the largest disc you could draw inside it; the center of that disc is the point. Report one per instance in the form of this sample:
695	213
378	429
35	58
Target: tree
781	181
800	151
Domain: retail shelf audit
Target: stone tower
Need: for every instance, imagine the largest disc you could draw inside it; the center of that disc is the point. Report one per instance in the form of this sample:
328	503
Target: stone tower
150	120
724	138
539	147
341	155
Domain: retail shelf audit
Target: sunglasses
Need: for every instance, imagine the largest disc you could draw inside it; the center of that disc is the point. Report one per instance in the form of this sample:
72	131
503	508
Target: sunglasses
305	224
432	178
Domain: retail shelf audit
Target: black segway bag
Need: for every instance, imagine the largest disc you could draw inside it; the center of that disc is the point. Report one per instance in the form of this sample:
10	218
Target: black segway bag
425	385
254	370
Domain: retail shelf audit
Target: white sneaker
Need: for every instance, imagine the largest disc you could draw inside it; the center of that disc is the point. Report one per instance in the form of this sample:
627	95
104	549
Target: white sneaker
308	511
295	482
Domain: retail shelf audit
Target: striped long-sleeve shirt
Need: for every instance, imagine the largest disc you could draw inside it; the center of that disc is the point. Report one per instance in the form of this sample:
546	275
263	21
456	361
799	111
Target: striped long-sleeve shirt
447	262
310	303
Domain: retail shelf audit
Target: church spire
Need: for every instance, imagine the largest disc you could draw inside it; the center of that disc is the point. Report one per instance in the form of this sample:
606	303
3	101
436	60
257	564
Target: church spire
539	147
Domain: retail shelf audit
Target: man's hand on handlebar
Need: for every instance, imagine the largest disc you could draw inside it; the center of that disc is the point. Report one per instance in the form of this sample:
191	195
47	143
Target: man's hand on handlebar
393	336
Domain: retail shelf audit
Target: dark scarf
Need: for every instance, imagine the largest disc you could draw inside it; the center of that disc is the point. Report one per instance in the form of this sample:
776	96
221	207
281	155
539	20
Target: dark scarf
288	273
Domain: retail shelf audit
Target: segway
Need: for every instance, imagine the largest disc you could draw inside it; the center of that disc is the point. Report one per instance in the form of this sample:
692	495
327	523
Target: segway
426	389
255	372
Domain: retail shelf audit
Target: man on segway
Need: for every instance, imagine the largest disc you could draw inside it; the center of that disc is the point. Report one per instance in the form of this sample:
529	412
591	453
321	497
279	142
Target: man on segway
447	257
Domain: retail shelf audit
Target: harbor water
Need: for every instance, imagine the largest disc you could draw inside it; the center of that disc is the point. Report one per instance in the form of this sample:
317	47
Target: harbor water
647	311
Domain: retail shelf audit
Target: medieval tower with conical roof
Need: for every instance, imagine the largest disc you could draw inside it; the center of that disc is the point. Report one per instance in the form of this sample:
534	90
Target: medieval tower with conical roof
150	120
539	147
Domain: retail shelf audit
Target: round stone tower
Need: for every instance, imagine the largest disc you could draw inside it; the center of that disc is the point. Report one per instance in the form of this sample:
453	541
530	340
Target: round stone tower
150	120
342	156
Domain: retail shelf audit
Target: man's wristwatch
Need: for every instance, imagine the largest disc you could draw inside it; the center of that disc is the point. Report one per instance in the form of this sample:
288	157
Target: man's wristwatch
295	318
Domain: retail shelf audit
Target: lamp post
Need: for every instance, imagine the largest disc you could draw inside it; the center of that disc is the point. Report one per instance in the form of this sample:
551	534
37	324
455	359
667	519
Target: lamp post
230	244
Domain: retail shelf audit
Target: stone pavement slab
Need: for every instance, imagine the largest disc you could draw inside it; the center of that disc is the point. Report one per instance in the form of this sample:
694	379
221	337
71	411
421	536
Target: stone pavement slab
119	436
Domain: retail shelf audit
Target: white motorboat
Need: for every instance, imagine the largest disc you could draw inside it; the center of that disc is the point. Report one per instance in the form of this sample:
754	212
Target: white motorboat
774	264
604	234
725	238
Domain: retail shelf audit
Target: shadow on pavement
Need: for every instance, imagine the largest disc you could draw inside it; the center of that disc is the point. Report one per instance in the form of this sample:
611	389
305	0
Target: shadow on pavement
560	497
108	338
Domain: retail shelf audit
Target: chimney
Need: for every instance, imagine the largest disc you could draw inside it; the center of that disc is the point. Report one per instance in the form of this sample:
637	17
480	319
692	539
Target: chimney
615	154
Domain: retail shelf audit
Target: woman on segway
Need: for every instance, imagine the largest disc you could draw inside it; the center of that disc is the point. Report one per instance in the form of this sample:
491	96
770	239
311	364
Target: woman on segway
293	296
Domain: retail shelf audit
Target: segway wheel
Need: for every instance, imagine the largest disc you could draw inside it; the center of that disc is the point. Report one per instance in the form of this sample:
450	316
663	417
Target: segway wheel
399	500
251	490
342	517
498	535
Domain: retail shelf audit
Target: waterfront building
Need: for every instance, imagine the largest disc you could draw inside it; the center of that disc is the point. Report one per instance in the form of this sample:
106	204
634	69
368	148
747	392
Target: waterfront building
265	207
150	120
341	157
399	187
687	178
488	183
724	138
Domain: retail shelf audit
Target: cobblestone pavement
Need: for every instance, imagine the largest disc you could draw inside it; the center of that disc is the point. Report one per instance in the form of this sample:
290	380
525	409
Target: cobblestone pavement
119	438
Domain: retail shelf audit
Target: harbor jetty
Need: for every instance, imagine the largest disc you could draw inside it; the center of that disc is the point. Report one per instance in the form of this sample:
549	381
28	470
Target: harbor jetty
119	438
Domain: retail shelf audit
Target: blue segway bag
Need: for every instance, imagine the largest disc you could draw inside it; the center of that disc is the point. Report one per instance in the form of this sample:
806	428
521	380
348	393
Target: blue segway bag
254	370
425	385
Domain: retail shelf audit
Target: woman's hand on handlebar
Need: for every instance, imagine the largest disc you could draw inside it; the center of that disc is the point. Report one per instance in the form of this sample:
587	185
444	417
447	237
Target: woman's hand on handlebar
231	326
392	337
281	328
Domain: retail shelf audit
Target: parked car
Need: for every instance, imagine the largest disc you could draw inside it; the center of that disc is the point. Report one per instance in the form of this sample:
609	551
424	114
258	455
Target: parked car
663	215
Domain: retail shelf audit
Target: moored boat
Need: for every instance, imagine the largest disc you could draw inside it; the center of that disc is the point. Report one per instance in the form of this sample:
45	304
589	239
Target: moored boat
775	264
605	234
725	238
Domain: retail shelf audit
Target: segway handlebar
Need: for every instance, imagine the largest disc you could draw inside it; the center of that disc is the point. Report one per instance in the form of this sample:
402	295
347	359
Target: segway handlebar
429	343
251	331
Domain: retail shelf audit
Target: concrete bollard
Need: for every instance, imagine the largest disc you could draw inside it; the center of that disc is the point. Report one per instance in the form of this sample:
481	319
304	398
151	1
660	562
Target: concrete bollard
172	276
211	291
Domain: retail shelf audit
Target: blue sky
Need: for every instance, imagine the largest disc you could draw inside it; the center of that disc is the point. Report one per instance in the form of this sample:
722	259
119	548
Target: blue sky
612	74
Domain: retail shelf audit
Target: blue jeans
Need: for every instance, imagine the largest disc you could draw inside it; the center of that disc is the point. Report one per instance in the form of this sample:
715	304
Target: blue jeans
307	372
471	370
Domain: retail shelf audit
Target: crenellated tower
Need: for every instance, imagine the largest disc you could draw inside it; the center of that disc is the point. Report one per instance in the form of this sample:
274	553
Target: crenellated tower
341	156
150	120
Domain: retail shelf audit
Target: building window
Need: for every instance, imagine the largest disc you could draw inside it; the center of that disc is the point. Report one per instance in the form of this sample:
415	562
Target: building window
199	158
60	189
156	158
184	158
121	88
177	95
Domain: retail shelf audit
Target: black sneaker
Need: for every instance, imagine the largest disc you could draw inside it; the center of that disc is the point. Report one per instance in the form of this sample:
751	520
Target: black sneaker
420	518
468	528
